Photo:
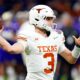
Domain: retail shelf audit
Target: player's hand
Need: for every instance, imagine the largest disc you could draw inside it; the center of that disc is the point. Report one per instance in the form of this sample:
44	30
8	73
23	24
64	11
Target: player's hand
77	41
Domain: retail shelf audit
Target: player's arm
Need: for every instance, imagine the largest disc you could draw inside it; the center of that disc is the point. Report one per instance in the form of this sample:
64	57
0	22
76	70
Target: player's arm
17	47
72	56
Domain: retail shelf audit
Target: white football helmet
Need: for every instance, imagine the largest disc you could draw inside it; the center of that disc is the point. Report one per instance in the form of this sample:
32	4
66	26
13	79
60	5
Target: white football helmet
38	14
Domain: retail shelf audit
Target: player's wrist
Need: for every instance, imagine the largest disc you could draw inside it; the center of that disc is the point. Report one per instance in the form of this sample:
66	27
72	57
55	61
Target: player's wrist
76	52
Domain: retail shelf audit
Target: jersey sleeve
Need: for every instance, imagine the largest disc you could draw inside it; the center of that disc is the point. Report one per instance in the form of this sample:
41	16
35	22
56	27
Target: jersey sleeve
24	30
23	43
22	35
61	45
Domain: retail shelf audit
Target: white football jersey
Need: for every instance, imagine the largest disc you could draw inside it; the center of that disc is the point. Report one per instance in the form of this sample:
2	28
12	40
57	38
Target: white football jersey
41	52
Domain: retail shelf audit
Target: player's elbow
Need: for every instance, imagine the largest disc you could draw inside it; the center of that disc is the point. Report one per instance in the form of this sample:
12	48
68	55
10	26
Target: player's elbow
14	50
7	48
10	50
72	61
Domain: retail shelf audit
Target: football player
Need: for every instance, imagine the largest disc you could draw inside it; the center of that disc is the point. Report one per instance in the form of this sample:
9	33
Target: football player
40	44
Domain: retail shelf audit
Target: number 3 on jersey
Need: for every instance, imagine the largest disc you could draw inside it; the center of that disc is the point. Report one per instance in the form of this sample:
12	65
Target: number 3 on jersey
50	63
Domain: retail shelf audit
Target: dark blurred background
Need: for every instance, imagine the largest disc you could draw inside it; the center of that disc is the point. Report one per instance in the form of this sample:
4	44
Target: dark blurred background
13	13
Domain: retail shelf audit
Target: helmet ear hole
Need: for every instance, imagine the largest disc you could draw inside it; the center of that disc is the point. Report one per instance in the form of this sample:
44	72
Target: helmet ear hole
36	19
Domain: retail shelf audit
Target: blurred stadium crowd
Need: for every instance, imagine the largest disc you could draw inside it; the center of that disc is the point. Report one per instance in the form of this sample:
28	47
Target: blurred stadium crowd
13	13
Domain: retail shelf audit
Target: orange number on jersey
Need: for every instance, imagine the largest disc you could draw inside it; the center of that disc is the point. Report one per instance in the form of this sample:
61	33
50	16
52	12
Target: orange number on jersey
51	63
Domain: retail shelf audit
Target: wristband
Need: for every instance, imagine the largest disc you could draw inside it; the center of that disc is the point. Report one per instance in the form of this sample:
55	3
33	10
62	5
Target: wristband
76	52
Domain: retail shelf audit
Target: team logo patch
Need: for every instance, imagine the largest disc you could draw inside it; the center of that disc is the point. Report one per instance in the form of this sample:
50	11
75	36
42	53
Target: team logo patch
40	9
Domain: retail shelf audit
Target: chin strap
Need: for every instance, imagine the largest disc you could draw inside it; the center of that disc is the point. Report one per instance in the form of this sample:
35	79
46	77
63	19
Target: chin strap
43	25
